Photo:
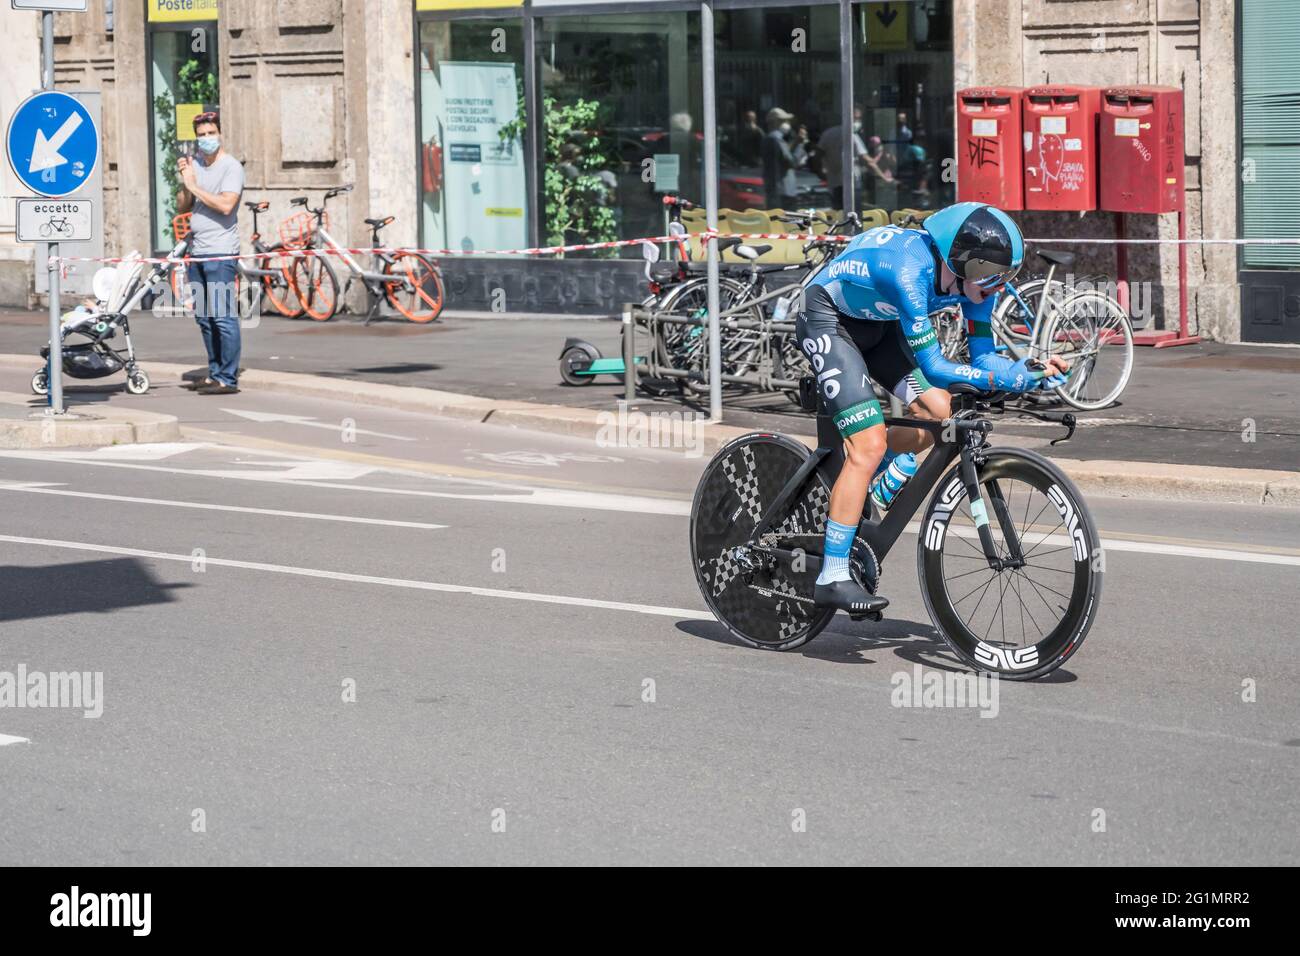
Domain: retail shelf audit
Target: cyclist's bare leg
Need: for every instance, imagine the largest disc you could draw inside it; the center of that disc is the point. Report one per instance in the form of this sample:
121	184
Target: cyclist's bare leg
862	453
835	586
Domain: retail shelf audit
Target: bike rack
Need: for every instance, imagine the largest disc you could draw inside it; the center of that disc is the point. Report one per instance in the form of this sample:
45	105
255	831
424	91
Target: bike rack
651	321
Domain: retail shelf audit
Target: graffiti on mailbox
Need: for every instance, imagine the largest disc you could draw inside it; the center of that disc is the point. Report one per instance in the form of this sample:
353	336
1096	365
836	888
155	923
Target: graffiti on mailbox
1055	171
982	151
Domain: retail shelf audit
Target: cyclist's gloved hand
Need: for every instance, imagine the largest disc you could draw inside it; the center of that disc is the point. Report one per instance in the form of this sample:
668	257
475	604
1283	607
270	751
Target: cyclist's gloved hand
1036	375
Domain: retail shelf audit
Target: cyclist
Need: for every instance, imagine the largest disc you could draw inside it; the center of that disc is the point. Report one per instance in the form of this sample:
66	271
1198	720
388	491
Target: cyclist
867	314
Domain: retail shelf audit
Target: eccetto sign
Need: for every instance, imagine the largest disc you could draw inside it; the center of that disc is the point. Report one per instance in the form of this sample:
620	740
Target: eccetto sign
173	11
55	220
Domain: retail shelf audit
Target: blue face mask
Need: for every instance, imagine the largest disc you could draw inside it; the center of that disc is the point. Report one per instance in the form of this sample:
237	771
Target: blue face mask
209	144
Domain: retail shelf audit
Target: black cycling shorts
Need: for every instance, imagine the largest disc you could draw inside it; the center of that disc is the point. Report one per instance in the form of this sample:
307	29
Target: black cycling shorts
846	353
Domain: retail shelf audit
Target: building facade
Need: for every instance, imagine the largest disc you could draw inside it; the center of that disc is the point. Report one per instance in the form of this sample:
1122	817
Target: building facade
501	124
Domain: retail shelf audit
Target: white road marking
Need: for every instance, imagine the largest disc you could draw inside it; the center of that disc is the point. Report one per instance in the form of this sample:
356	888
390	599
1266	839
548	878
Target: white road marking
677	612
5	740
36	488
293	471
639	504
266	417
1141	547
150	451
514	494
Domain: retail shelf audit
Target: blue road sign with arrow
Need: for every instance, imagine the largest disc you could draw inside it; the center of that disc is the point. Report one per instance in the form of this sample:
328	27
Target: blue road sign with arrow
53	144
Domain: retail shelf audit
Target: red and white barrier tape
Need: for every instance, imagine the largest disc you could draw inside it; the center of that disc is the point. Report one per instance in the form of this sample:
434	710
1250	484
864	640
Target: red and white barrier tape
614	244
1173	242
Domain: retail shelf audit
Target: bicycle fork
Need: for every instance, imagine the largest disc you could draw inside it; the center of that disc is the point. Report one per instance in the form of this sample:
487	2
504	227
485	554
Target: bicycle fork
1014	557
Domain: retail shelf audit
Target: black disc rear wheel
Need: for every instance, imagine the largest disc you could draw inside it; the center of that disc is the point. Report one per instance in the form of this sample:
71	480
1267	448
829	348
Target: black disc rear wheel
766	603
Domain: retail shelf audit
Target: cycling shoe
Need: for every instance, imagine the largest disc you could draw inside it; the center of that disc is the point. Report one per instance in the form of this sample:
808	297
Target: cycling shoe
849	596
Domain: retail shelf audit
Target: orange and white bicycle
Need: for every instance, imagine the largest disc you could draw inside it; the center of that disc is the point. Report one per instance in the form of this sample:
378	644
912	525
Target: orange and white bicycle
407	281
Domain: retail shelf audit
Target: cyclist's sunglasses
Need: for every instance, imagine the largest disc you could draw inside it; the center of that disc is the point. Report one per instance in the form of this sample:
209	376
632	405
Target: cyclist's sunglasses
989	275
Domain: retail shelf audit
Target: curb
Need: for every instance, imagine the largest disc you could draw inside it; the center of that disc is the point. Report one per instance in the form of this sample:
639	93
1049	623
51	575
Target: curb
1134	479
103	426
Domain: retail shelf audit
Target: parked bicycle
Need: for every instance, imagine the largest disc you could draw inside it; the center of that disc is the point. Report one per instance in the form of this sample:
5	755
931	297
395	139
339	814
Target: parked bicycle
751	351
407	281
1009	590
267	277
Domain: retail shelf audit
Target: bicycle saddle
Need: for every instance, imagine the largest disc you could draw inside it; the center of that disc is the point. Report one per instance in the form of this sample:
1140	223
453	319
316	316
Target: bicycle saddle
963	388
1057	257
751	253
378	223
298	201
258	206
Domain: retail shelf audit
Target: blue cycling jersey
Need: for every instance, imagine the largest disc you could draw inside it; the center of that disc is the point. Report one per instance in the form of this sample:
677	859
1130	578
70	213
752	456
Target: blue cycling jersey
888	274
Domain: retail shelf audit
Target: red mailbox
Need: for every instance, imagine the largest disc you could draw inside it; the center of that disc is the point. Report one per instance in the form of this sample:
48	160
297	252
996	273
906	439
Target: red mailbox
1141	154
1061	147
989	150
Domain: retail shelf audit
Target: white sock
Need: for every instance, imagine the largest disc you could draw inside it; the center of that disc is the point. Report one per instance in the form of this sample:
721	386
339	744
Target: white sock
834	569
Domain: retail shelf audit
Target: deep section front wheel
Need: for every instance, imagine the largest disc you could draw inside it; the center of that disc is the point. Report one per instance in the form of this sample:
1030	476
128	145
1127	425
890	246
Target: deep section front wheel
1026	619
762	600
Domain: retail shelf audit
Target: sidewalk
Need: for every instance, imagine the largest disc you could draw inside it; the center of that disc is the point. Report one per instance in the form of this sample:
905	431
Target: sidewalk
1185	408
23	424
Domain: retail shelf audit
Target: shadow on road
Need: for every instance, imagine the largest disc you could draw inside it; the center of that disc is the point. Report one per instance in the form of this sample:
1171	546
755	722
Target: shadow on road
848	642
80	587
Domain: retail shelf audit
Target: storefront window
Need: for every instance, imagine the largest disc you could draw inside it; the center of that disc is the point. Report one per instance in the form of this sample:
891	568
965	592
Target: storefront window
183	83
473	187
903	90
622	122
778	99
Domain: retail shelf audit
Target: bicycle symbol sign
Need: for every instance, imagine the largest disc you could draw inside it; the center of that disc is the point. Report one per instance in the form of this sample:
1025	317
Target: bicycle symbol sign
52	143
55	220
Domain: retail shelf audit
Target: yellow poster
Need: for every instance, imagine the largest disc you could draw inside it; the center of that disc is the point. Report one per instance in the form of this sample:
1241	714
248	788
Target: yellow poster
174	11
185	113
464	4
886	26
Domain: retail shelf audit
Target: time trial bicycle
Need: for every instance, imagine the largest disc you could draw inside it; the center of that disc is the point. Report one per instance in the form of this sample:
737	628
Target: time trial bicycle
1008	555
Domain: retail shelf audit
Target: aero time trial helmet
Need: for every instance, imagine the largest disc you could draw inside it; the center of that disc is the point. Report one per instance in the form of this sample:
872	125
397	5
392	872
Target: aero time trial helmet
980	243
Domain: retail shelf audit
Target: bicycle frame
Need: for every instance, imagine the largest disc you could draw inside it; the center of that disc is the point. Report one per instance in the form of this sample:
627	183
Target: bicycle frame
331	244
881	534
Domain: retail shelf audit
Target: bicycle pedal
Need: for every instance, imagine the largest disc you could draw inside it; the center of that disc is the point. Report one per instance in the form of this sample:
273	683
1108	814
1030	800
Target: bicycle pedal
873	616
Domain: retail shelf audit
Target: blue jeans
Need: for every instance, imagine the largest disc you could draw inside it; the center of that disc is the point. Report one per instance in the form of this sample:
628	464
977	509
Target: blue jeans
215	310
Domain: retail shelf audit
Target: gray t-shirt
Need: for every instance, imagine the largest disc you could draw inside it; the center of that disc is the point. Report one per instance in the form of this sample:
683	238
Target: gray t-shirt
215	234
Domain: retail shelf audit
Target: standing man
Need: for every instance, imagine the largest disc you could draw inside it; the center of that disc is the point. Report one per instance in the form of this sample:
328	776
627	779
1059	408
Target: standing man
213	182
832	146
780	161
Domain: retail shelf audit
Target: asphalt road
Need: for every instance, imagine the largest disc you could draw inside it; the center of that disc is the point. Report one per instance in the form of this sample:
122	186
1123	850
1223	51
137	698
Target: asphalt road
1233	406
499	599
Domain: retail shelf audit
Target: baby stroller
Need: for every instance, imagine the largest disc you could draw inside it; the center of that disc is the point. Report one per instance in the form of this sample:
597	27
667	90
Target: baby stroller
86	333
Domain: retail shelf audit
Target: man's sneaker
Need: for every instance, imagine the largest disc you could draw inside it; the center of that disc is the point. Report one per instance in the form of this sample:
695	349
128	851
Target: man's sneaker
216	388
849	596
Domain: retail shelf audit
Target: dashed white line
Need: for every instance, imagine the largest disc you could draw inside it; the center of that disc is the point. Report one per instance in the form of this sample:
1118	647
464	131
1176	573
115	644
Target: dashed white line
6	740
35	488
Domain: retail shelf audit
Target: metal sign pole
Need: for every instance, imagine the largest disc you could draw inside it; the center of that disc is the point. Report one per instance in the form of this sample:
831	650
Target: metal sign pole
711	206
52	254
